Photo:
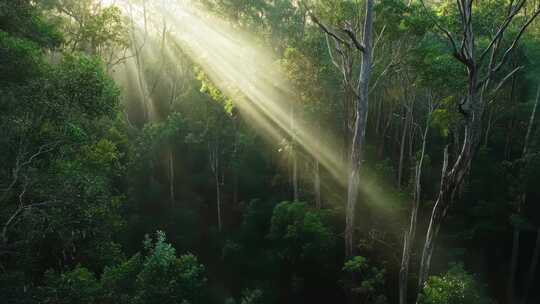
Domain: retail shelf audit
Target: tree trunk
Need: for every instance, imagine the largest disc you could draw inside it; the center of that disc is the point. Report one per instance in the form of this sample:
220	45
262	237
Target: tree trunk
378	121
293	156
452	177
488	128
510	127
359	130
387	126
218	201
317	184
411	234
402	145
513	264
235	161
171	176
472	109
214	165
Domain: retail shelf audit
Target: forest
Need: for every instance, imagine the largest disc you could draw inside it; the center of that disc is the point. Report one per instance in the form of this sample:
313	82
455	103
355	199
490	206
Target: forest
269	151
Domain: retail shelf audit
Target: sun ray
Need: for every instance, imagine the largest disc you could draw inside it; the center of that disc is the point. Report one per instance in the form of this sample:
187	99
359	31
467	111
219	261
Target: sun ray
235	63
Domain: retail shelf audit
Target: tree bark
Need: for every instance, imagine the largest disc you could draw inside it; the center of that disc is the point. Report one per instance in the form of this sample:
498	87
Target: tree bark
411	234
171	176
293	156
472	109
214	165
513	264
317	184
343	46
359	129
408	114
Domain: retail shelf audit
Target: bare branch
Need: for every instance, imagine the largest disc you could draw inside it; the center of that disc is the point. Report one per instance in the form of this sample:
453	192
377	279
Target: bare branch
505	79
379	37
355	41
383	73
447	33
331	53
325	29
515	42
512	12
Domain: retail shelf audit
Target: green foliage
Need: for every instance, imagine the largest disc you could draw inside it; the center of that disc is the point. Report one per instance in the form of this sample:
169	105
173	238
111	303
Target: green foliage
20	59
24	19
300	232
454	287
119	282
368	281
76	286
83	85
79	186
90	28
166	278
158	277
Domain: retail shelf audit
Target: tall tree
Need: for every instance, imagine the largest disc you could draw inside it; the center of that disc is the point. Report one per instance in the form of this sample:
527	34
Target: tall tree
365	47
479	90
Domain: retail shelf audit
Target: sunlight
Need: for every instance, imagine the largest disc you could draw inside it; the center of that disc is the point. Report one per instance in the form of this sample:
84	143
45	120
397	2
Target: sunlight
240	68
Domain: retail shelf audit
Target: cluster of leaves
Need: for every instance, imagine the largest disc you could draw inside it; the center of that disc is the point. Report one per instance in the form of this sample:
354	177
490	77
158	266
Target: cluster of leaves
368	281
158	277
454	287
300	233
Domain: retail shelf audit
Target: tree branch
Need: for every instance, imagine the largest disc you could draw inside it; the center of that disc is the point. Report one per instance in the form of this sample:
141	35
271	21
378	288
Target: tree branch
457	54
512	12
515	42
326	29
355	41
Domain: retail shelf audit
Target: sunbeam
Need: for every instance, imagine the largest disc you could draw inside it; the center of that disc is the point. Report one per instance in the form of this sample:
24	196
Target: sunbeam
235	64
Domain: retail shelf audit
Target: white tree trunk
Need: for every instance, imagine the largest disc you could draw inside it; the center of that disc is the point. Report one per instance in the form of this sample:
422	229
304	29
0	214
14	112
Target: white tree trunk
294	159
171	176
408	117
214	165
410	235
359	129
317	184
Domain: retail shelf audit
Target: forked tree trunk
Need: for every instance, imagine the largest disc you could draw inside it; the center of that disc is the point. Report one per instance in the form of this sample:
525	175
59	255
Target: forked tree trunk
452	175
472	109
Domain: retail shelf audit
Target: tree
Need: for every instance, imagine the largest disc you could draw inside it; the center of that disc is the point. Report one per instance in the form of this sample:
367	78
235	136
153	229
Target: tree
479	80
361	110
